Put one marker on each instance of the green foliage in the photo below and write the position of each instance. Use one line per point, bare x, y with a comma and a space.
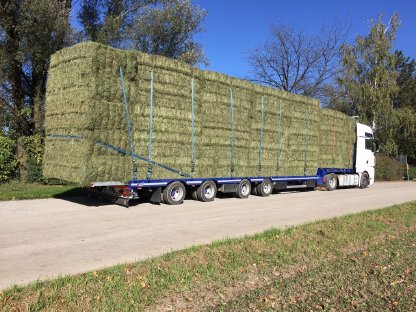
405, 105
34, 147
406, 80
7, 158
368, 80
162, 27
389, 169
30, 31
168, 29
412, 173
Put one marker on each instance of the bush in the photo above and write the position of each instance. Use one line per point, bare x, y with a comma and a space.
412, 173
389, 169
34, 153
8, 159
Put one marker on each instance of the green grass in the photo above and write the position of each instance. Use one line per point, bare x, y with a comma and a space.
365, 261
18, 191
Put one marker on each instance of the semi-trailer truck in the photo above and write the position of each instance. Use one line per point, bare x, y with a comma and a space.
139, 125
174, 191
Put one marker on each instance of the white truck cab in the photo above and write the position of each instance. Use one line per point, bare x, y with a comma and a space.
362, 174
365, 159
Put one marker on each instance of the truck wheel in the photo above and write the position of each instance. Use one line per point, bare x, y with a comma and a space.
264, 188
365, 180
330, 182
174, 193
207, 191
243, 189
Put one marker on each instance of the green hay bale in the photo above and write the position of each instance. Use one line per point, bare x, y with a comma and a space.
84, 97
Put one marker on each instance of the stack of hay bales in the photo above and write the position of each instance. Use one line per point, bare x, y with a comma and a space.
337, 139
85, 114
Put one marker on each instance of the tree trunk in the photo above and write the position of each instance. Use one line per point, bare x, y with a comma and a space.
39, 90
15, 77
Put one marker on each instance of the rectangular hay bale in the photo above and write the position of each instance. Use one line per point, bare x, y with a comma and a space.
85, 121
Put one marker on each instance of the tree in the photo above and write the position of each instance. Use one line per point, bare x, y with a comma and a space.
368, 81
405, 105
162, 27
406, 81
30, 31
168, 29
292, 61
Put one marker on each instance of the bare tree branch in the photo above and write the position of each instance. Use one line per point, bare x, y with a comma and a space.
297, 63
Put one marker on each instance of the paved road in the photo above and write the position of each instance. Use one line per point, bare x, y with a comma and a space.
46, 238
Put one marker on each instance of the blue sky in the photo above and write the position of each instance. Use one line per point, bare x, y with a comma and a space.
234, 28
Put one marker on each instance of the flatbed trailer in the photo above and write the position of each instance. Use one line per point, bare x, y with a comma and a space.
174, 191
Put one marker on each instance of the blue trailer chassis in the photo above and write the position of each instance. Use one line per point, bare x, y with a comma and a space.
321, 172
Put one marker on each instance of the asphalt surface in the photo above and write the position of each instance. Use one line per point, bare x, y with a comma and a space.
42, 239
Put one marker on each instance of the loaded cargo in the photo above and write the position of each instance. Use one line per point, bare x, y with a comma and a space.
124, 116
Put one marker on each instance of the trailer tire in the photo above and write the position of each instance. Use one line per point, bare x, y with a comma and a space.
174, 193
243, 189
207, 191
365, 180
254, 189
331, 182
264, 188
194, 194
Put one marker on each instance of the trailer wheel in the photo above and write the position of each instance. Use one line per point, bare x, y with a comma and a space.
254, 189
174, 193
264, 188
365, 180
194, 194
243, 189
330, 182
207, 191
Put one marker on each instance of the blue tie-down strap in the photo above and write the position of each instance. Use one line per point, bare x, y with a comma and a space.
124, 152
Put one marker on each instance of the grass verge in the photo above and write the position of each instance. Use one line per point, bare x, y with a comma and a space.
18, 191
365, 261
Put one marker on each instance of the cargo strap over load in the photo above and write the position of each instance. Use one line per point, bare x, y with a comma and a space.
279, 137
149, 145
131, 142
261, 132
232, 166
123, 152
193, 128
306, 141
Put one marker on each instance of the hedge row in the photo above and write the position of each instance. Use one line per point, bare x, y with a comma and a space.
9, 163
389, 169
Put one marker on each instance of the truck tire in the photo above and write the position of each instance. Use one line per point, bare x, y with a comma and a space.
264, 188
174, 193
331, 182
207, 191
365, 180
243, 189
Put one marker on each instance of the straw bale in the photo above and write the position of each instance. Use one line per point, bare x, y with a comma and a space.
84, 98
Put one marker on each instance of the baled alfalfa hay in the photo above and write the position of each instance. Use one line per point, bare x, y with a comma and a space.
85, 114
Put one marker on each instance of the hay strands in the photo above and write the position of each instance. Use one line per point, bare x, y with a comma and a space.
124, 152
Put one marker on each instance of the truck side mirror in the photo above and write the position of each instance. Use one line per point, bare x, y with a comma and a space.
376, 146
